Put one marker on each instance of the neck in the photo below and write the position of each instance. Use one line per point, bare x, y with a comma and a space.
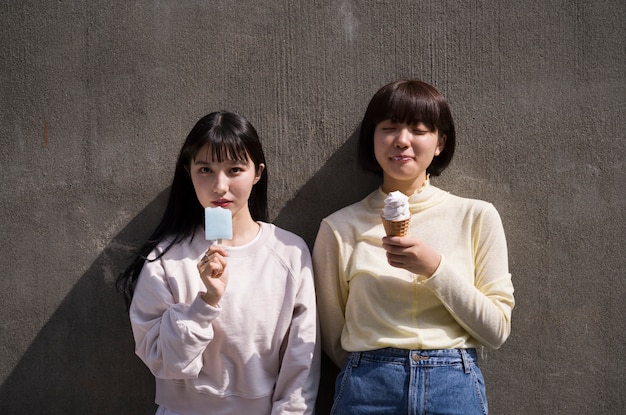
244, 229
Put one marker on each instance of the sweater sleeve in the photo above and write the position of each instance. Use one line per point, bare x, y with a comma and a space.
298, 379
332, 292
169, 337
482, 303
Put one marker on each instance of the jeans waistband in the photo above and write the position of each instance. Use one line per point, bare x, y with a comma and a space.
418, 357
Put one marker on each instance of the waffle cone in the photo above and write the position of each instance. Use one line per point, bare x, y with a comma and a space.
396, 227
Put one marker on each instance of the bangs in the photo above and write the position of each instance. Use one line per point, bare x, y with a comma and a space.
409, 104
222, 146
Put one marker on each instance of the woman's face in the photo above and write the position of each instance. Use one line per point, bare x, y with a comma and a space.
404, 152
226, 184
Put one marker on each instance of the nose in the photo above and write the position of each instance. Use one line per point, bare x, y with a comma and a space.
220, 186
403, 139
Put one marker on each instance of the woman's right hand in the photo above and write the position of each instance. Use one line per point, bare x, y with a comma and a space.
411, 254
214, 274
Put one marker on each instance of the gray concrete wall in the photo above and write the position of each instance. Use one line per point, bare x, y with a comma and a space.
97, 97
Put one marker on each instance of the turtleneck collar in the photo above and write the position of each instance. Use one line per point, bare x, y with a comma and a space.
423, 198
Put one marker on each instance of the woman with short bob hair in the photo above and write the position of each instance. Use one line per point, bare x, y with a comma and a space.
410, 102
402, 313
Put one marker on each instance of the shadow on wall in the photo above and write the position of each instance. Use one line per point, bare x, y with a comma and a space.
338, 183
83, 362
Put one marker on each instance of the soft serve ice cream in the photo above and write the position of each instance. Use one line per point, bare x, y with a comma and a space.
396, 206
396, 214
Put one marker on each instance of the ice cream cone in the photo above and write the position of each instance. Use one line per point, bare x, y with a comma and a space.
396, 227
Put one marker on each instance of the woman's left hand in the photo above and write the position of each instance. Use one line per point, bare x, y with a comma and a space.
411, 254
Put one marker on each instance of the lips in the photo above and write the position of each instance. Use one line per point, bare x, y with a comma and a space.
402, 157
223, 203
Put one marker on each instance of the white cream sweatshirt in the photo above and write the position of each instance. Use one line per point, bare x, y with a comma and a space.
365, 304
255, 353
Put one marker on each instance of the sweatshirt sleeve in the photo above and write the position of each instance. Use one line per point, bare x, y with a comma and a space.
298, 379
169, 337
482, 303
332, 292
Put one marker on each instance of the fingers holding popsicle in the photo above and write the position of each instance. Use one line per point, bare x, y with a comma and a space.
212, 267
214, 274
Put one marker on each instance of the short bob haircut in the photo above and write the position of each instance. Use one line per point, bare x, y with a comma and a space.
410, 102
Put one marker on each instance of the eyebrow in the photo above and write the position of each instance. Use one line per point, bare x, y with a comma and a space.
206, 163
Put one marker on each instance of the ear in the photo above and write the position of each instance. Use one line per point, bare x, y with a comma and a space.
440, 145
259, 172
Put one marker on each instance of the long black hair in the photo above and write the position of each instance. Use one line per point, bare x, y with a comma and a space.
228, 136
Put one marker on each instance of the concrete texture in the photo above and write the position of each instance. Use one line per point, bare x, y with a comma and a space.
97, 97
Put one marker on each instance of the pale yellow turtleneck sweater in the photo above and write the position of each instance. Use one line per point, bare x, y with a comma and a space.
365, 304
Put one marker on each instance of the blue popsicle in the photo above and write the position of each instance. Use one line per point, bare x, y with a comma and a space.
218, 224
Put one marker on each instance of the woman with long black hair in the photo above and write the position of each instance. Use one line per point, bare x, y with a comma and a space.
226, 328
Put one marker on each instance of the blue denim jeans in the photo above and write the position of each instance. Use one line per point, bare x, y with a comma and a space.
413, 382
